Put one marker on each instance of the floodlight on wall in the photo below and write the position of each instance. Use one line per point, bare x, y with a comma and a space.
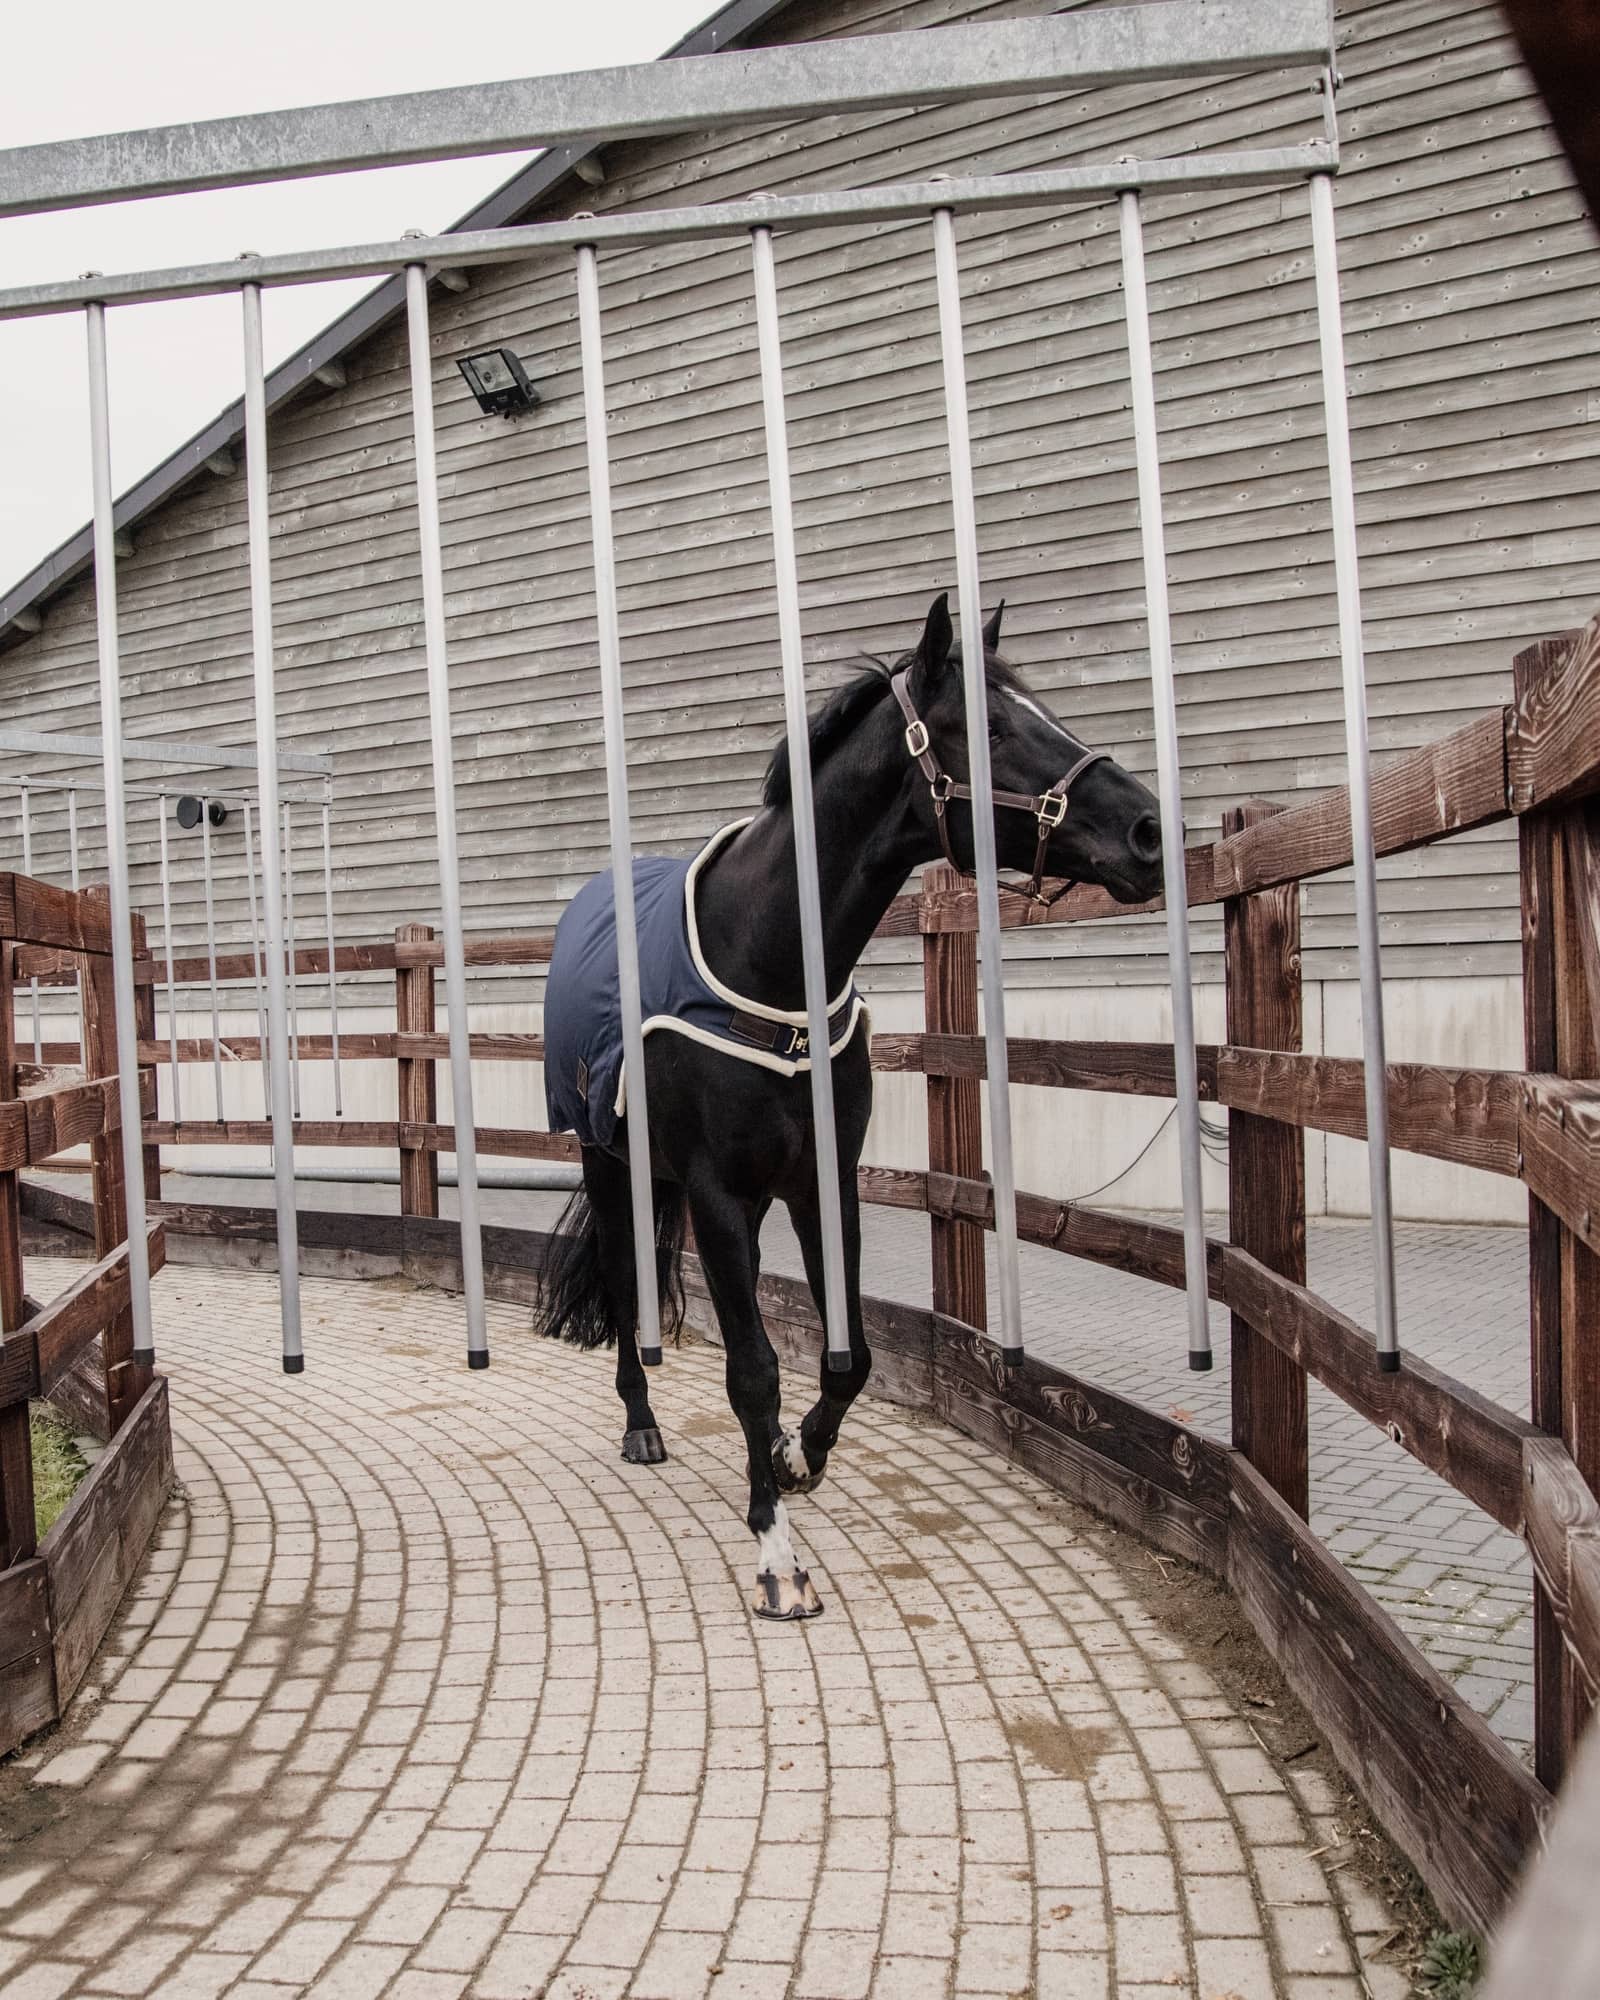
189, 810
500, 382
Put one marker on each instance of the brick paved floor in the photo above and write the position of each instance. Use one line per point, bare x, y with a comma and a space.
423, 1693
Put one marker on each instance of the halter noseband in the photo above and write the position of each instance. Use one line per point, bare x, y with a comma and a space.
1048, 808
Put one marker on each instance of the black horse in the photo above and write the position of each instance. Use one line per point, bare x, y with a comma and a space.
889, 764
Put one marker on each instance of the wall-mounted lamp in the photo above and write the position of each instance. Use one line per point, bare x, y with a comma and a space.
500, 382
189, 810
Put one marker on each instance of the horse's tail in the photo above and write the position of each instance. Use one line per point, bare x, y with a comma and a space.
574, 1301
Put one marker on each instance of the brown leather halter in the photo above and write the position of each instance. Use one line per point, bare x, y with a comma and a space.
1048, 808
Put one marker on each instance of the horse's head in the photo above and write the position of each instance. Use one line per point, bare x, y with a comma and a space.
1109, 832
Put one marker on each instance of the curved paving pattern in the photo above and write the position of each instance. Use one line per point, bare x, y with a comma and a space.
423, 1693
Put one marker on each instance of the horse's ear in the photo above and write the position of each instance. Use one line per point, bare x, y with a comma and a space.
933, 648
991, 631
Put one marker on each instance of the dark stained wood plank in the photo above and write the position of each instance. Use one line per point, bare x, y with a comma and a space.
954, 1110
17, 1360
39, 913
1563, 1536
242, 965
1456, 1800
1417, 798
1135, 1069
519, 948
1559, 1134
1553, 733
893, 1187
247, 1049
69, 1114
956, 908
258, 1132
1469, 1116
27, 1666
94, 1548
1266, 1174
61, 1329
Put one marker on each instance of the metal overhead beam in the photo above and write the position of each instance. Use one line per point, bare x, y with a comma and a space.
1197, 173
160, 750
1180, 38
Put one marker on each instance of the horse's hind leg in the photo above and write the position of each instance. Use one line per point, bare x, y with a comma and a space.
725, 1235
606, 1180
799, 1462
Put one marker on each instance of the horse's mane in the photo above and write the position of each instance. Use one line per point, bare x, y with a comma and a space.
848, 706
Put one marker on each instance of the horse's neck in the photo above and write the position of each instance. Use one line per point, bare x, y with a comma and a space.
748, 909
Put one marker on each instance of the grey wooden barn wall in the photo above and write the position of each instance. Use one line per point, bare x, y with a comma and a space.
1470, 287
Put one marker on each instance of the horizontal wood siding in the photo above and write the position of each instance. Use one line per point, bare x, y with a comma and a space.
1470, 274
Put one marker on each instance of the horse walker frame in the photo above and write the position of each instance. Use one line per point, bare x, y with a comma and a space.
1459, 1803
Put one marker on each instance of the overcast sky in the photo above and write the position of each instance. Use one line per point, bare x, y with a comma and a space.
108, 66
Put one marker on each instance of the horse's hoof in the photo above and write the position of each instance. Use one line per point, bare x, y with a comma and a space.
785, 1597
791, 1468
644, 1447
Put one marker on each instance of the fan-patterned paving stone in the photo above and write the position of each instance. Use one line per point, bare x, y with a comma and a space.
423, 1693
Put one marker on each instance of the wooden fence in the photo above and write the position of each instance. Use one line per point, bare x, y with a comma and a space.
1460, 1804
58, 1595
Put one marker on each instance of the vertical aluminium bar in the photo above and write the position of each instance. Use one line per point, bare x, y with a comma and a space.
333, 975
605, 592
72, 835
991, 963
291, 948
255, 955
211, 954
105, 594
444, 804
1147, 451
266, 716
1341, 482
27, 869
166, 940
835, 1295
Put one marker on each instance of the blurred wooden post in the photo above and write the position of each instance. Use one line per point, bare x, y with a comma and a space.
17, 1538
1560, 868
126, 1381
1267, 1172
144, 1011
418, 1078
955, 1108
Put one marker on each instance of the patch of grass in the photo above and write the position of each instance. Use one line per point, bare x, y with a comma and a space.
1450, 1966
58, 1465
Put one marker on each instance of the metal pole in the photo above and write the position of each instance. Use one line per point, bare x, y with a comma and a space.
444, 803
1147, 450
255, 954
333, 976
105, 593
605, 593
72, 868
1341, 482
172, 984
990, 957
836, 1311
27, 869
291, 947
266, 716
211, 953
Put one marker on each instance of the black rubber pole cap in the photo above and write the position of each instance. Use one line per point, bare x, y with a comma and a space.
649, 1357
1014, 1356
477, 1357
839, 1364
1389, 1364
294, 1364
1198, 1362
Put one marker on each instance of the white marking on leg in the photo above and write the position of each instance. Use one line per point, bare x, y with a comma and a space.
794, 1456
775, 1554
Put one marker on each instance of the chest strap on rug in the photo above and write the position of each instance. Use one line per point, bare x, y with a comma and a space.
784, 1038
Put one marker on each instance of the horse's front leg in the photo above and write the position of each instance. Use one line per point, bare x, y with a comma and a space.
800, 1461
725, 1235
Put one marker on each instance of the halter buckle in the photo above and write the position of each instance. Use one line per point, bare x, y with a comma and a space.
917, 738
943, 789
1052, 809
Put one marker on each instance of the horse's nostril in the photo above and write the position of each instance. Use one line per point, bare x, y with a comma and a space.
1144, 837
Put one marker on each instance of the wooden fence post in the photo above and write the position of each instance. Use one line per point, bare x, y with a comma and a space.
126, 1381
955, 1108
1560, 872
418, 1083
17, 1539
1267, 1172
144, 1010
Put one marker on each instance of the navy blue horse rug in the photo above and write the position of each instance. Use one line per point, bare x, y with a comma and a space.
584, 1082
